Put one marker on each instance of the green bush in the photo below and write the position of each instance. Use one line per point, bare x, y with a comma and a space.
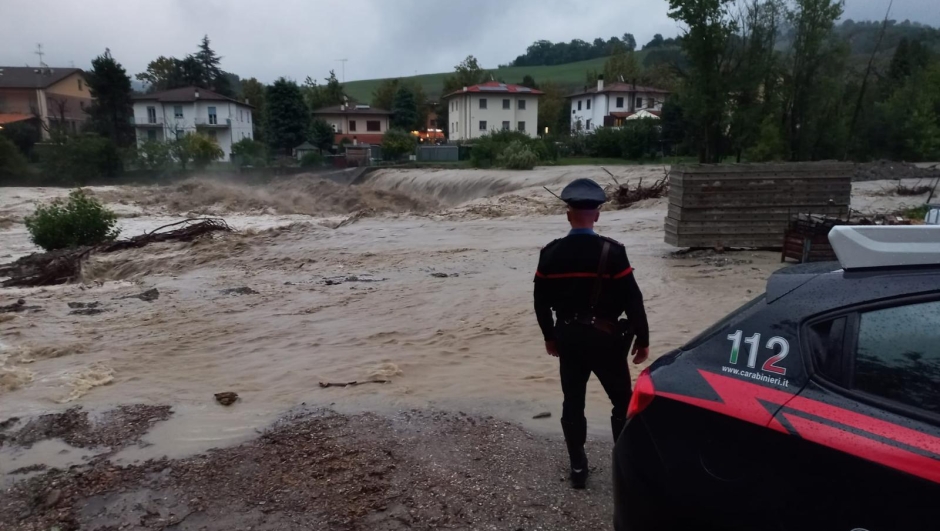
396, 143
79, 159
248, 152
634, 140
78, 222
311, 159
517, 156
487, 149
154, 155
12, 162
198, 149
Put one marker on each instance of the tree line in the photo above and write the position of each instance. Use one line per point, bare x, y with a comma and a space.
545, 53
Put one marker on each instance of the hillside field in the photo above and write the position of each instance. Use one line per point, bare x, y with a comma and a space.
570, 74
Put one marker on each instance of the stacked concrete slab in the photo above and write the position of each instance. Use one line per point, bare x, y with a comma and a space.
749, 205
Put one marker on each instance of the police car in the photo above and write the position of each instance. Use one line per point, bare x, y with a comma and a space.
814, 406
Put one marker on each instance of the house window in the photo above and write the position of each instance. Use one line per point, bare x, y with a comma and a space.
212, 134
151, 115
522, 127
506, 126
620, 102
482, 125
579, 105
432, 124
639, 103
352, 125
178, 112
587, 124
80, 85
589, 104
373, 125
248, 114
152, 135
482, 103
213, 118
521, 105
507, 104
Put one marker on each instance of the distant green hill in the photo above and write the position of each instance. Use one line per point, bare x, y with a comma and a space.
571, 74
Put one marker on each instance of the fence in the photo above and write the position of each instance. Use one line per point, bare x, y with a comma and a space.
437, 153
750, 205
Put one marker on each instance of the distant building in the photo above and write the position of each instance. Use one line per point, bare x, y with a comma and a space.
359, 124
492, 106
610, 105
54, 97
168, 115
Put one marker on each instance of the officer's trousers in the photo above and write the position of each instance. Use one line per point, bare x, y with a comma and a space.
582, 350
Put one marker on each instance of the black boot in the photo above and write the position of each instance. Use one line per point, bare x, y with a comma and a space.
575, 435
616, 425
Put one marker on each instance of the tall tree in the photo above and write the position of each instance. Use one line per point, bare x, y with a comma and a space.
468, 73
554, 110
404, 110
333, 91
812, 22
111, 109
321, 134
629, 42
254, 92
288, 120
709, 26
384, 94
160, 74
213, 77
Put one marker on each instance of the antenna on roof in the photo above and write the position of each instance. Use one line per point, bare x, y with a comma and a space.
40, 53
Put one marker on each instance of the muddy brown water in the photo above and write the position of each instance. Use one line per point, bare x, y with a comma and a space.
335, 305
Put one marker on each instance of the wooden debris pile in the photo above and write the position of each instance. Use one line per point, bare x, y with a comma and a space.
64, 265
622, 195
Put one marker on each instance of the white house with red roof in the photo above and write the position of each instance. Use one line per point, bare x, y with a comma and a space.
492, 106
611, 105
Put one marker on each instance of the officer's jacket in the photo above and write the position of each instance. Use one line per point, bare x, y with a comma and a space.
565, 282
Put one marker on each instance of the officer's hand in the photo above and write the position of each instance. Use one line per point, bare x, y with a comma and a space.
640, 354
551, 348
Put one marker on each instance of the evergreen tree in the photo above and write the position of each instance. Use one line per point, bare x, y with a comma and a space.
384, 94
529, 81
288, 119
111, 109
213, 77
404, 110
321, 134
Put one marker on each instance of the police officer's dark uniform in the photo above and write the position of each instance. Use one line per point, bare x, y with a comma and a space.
585, 330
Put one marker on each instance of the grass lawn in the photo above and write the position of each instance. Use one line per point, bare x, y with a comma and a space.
571, 75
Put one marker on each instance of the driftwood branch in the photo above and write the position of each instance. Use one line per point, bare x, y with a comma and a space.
352, 383
62, 266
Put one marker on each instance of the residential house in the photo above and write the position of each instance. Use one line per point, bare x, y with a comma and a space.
492, 106
53, 97
610, 105
168, 115
359, 124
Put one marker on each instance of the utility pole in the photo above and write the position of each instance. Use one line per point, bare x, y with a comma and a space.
344, 68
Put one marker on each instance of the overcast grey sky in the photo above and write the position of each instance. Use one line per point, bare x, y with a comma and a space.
297, 38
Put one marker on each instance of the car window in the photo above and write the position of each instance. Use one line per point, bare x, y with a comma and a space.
898, 355
826, 341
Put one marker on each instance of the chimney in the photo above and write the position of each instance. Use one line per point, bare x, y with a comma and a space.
600, 83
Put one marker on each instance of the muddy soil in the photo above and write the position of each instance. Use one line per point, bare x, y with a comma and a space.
323, 470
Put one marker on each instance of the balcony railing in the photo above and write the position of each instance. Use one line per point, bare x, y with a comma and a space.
147, 121
218, 122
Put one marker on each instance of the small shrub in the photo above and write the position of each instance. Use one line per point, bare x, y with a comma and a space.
311, 159
396, 143
77, 222
154, 155
487, 149
517, 156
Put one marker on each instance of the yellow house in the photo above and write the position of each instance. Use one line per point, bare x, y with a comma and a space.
56, 97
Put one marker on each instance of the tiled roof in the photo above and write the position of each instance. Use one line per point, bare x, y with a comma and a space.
33, 77
186, 95
10, 118
621, 87
495, 87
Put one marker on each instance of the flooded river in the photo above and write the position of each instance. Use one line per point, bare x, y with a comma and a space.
429, 286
